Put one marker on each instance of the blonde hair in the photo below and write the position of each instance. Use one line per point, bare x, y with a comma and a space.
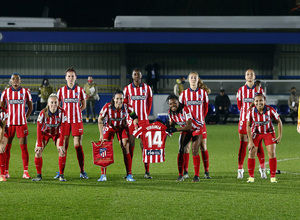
201, 85
46, 109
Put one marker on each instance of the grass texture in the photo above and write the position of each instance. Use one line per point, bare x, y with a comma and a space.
222, 197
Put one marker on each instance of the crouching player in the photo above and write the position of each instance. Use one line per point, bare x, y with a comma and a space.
115, 114
153, 137
260, 128
3, 142
50, 125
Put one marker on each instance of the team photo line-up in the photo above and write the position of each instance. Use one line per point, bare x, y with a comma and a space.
127, 116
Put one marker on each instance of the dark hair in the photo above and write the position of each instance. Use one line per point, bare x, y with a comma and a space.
173, 96
137, 69
293, 88
255, 95
70, 69
257, 82
118, 91
43, 82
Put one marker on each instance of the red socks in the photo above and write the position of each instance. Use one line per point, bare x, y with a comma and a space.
186, 162
7, 153
2, 163
242, 154
273, 166
196, 161
80, 157
205, 159
61, 164
251, 167
180, 162
128, 164
38, 164
25, 156
103, 170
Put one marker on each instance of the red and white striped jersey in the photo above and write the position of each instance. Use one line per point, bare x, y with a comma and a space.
182, 116
154, 138
16, 101
262, 123
3, 114
116, 118
245, 97
140, 98
197, 102
71, 100
52, 125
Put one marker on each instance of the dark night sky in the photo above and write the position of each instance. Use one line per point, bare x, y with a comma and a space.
87, 13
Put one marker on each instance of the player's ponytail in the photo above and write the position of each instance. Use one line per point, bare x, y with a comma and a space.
201, 85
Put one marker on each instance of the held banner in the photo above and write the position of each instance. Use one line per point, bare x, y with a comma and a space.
103, 153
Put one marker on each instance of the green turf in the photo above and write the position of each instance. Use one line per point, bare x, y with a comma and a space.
222, 197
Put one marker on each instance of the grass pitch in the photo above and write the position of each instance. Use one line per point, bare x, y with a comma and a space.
222, 197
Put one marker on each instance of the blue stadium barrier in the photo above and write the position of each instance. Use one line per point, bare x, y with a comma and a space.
211, 109
284, 109
275, 107
233, 109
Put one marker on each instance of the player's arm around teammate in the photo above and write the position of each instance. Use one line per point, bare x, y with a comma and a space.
260, 128
50, 125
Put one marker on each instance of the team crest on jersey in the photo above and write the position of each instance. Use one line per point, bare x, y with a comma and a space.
267, 117
144, 91
183, 117
21, 95
76, 93
200, 96
102, 152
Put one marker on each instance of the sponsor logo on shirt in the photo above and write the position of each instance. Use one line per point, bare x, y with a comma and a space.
194, 102
52, 125
138, 97
247, 100
16, 102
262, 122
153, 152
117, 119
71, 100
181, 123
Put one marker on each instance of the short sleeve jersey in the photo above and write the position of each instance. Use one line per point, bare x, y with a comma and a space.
181, 117
245, 97
262, 123
116, 118
154, 137
195, 100
3, 114
16, 101
138, 98
71, 100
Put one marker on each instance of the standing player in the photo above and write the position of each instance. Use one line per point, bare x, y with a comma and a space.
203, 146
244, 98
15, 98
260, 128
73, 99
115, 113
50, 125
196, 99
3, 119
139, 96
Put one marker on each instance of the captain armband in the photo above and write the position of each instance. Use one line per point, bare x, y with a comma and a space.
133, 115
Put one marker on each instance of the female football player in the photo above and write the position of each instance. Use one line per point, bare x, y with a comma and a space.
203, 146
196, 99
115, 114
260, 128
50, 125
